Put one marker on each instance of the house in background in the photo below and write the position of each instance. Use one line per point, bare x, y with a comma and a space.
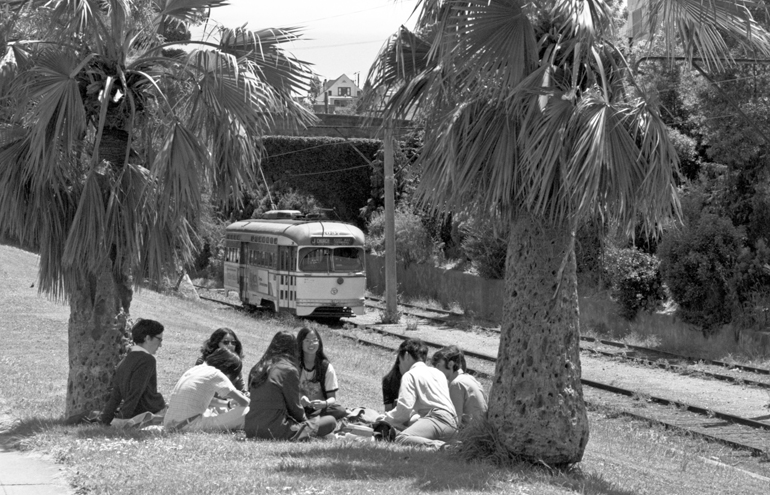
337, 95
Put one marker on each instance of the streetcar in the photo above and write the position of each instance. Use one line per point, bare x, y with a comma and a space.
303, 265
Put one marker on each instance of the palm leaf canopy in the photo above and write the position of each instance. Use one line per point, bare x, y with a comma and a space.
113, 121
526, 106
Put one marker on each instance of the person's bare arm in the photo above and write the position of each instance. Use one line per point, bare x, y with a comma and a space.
238, 397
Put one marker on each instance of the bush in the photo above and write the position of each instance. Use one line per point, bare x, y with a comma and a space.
635, 280
696, 263
413, 242
485, 243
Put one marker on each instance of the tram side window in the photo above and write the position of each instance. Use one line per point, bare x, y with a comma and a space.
348, 259
315, 260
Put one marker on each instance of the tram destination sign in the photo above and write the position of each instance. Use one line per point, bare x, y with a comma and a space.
331, 241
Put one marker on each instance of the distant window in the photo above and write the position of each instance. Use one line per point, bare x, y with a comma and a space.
329, 92
343, 91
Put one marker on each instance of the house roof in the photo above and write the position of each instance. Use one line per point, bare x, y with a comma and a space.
329, 84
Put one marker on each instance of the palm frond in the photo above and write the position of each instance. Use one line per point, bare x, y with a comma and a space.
128, 201
14, 188
78, 15
58, 118
188, 10
178, 168
235, 161
272, 64
703, 27
85, 246
487, 41
229, 90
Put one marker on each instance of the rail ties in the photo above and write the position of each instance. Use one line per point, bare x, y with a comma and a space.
642, 350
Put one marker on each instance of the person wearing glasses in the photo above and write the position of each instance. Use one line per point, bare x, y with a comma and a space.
134, 390
224, 338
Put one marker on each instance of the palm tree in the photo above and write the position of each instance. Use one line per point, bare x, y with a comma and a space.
114, 121
531, 118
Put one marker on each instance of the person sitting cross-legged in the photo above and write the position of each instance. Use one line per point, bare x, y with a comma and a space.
424, 391
134, 388
466, 392
190, 405
275, 411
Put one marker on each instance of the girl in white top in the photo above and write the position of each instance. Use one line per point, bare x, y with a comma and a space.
317, 379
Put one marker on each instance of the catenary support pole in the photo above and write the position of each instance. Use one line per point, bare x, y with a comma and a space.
391, 303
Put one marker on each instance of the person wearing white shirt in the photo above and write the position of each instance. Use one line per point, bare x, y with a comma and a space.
424, 392
192, 405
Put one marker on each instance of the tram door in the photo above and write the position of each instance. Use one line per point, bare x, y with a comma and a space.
287, 282
243, 262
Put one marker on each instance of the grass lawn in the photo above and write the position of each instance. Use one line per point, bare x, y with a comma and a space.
622, 457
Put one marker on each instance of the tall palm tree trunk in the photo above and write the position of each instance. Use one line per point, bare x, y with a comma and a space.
97, 339
99, 310
536, 402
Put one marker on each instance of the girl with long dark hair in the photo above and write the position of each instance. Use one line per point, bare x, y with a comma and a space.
318, 384
275, 411
224, 338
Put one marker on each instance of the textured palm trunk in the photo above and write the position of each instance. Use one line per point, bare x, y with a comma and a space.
536, 402
97, 338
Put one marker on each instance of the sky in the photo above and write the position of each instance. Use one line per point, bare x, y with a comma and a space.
339, 36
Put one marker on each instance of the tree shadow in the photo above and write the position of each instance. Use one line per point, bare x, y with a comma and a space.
13, 433
432, 471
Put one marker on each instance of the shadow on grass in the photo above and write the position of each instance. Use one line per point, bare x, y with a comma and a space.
432, 471
13, 433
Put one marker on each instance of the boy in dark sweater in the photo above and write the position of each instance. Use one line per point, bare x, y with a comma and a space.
135, 383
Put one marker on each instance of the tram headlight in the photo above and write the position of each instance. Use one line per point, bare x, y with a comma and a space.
340, 281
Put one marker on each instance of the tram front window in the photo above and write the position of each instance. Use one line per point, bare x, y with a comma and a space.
348, 259
315, 260
331, 260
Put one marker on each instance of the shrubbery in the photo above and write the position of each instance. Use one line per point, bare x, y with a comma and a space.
634, 279
486, 245
697, 262
718, 272
413, 242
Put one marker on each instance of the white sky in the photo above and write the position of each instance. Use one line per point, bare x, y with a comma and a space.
340, 36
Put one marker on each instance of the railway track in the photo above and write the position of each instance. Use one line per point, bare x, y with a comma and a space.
734, 431
739, 374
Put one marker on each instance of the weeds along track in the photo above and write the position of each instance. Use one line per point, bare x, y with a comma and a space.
717, 370
750, 435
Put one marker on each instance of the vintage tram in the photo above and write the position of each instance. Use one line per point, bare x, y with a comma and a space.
304, 265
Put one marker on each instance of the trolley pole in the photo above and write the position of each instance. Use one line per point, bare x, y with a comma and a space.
391, 304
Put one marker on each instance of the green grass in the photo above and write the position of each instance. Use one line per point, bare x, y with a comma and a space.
622, 457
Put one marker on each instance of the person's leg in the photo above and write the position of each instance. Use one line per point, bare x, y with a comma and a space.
323, 425
231, 420
432, 431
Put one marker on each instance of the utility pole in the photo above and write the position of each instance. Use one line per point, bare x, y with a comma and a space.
391, 304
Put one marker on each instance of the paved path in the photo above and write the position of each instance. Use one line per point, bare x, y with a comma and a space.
23, 474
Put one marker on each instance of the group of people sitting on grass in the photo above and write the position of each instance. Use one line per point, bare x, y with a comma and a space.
291, 393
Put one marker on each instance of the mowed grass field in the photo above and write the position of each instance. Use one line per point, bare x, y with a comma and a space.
622, 457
